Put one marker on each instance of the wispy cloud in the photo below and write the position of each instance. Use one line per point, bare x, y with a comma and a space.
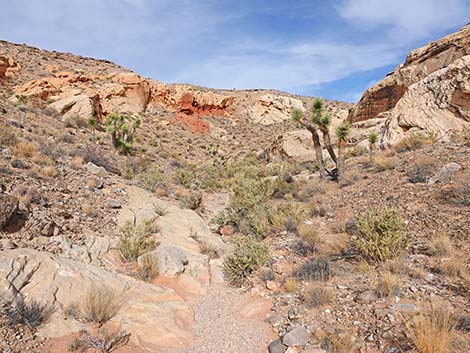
236, 44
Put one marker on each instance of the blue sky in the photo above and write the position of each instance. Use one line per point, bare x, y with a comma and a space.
335, 48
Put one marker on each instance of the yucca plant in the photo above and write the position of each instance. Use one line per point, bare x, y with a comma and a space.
122, 128
342, 134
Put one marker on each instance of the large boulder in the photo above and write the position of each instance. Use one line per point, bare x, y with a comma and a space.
9, 68
156, 317
271, 109
429, 92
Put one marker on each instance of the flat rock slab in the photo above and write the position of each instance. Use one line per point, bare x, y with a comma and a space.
156, 317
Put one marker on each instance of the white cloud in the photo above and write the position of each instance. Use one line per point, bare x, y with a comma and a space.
406, 20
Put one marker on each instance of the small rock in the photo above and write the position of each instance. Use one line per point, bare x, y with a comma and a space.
7, 153
405, 308
277, 347
7, 244
272, 285
171, 260
113, 203
413, 289
292, 350
226, 230
296, 337
16, 163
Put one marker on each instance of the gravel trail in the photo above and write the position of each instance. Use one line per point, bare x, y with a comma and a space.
219, 327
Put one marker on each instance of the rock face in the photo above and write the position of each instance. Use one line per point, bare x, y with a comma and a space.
272, 109
157, 317
429, 92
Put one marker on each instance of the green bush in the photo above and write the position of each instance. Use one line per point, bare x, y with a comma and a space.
121, 128
382, 234
248, 256
135, 241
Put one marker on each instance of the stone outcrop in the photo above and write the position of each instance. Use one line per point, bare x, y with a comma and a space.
157, 317
9, 68
271, 109
429, 92
9, 207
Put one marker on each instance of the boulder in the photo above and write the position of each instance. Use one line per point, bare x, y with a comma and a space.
298, 336
171, 260
155, 316
277, 347
9, 68
8, 209
446, 173
73, 107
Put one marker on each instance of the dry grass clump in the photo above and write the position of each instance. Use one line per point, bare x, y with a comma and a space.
26, 149
148, 267
388, 285
7, 137
381, 161
291, 285
309, 239
209, 248
453, 267
191, 200
440, 245
431, 331
104, 341
135, 241
50, 171
101, 304
318, 295
382, 234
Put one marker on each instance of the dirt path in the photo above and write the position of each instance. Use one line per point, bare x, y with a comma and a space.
227, 321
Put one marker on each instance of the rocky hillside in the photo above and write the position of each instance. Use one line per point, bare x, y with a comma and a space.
213, 233
428, 93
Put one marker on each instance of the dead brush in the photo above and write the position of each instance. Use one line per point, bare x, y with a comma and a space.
309, 239
431, 331
101, 304
104, 341
439, 245
148, 267
336, 340
26, 149
30, 313
317, 295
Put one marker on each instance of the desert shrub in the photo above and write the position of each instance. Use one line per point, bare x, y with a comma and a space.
191, 200
309, 239
413, 142
122, 128
26, 149
316, 269
381, 161
318, 295
388, 285
453, 267
268, 275
101, 304
50, 171
103, 342
148, 267
422, 170
431, 331
135, 241
186, 176
336, 340
382, 234
91, 154
291, 285
356, 151
22, 98
305, 191
248, 256
30, 313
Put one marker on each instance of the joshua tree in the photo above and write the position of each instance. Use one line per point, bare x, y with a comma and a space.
122, 128
342, 134
298, 116
373, 137
323, 121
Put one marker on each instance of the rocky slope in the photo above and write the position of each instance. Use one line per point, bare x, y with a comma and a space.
67, 197
428, 93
